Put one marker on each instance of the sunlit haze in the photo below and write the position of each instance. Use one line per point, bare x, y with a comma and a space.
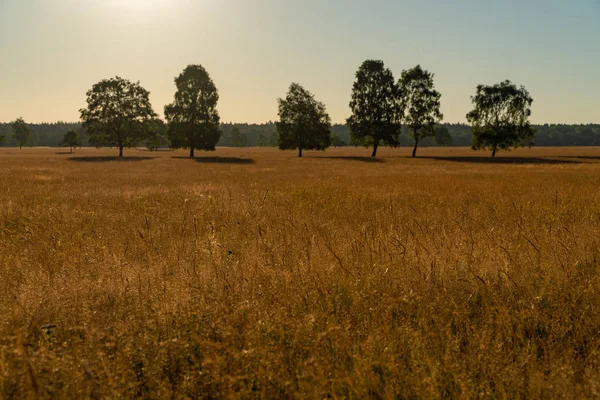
53, 51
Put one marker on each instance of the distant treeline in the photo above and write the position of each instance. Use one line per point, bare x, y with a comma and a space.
265, 135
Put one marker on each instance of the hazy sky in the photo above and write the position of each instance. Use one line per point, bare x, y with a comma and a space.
53, 51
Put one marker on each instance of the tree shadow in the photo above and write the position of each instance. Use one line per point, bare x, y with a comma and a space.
63, 152
356, 158
501, 160
218, 160
597, 158
159, 150
108, 159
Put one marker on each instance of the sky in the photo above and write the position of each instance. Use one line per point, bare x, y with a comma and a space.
53, 51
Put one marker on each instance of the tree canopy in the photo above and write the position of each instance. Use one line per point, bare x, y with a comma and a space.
157, 134
420, 102
303, 122
500, 118
117, 113
70, 140
376, 113
21, 132
193, 118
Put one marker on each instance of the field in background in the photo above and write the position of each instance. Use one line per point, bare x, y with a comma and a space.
251, 272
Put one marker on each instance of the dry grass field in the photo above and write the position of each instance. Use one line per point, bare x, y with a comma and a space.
251, 273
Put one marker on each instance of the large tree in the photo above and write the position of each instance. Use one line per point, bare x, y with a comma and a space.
21, 132
303, 122
70, 140
500, 118
420, 102
193, 117
376, 112
117, 114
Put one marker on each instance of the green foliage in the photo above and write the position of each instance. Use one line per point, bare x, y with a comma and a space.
273, 139
238, 139
193, 117
303, 121
157, 134
44, 134
442, 136
500, 119
420, 102
251, 131
50, 134
70, 140
376, 113
21, 132
262, 141
337, 141
117, 113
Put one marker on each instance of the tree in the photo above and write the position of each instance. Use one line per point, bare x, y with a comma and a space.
262, 141
157, 134
238, 139
117, 113
337, 141
80, 135
273, 139
21, 133
500, 119
303, 122
193, 117
421, 103
376, 113
70, 140
442, 136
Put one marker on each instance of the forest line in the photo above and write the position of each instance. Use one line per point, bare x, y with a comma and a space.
50, 134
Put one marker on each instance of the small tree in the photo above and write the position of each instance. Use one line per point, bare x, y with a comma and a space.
500, 119
117, 113
303, 122
70, 140
193, 117
420, 102
376, 113
21, 133
157, 134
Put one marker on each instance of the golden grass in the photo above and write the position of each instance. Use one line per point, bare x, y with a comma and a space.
257, 274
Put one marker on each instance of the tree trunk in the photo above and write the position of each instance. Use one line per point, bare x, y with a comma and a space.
414, 153
71, 150
300, 152
192, 152
494, 151
374, 154
120, 151
20, 146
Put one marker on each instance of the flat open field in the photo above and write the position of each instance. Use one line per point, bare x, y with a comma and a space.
252, 273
